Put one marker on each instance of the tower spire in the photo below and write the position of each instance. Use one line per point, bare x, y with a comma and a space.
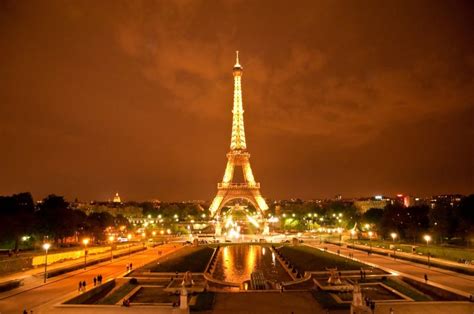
238, 131
237, 64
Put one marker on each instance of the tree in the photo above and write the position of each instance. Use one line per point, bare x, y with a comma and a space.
54, 218
395, 218
442, 221
17, 216
98, 222
374, 217
464, 213
418, 221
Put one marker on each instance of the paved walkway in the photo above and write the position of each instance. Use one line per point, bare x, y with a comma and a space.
455, 282
422, 258
42, 298
35, 273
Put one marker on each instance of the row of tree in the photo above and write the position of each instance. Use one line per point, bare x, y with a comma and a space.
443, 221
52, 218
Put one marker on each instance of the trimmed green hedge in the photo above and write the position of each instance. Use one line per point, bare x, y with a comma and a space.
9, 285
93, 295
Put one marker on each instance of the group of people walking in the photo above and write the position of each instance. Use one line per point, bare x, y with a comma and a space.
83, 285
97, 280
370, 304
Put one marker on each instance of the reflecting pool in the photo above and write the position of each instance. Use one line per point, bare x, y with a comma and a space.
235, 263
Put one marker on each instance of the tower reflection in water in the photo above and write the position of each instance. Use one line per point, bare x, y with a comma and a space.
236, 262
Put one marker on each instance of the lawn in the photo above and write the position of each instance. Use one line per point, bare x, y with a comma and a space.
444, 252
310, 259
193, 259
153, 295
118, 294
406, 289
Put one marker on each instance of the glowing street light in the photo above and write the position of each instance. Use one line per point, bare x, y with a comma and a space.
46, 247
85, 242
394, 236
427, 238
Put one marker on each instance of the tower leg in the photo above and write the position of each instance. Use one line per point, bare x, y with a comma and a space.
218, 231
266, 229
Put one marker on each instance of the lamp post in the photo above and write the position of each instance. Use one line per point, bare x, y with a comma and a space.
352, 239
393, 235
427, 238
340, 236
85, 242
370, 240
111, 240
129, 237
46, 247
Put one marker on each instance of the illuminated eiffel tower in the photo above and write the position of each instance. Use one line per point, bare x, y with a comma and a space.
238, 157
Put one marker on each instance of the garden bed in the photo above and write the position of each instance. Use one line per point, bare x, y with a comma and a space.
193, 259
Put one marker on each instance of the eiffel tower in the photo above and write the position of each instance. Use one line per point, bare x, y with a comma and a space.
238, 157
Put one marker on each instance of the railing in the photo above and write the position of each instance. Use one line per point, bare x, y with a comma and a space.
238, 186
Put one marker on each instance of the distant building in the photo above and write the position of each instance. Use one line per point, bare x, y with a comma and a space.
451, 200
364, 205
405, 200
117, 199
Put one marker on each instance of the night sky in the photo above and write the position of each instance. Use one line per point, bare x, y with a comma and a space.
341, 97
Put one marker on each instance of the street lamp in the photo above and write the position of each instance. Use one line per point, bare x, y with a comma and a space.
144, 239
393, 235
427, 238
46, 247
370, 240
111, 240
85, 242
129, 237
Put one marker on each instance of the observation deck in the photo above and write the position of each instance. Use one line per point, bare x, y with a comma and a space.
238, 186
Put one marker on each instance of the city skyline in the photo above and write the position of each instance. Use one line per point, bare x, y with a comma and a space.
138, 101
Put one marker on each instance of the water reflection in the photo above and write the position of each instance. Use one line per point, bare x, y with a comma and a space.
235, 263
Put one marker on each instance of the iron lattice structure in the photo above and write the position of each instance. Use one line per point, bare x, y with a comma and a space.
238, 156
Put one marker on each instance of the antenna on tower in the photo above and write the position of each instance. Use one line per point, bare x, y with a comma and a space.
237, 64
